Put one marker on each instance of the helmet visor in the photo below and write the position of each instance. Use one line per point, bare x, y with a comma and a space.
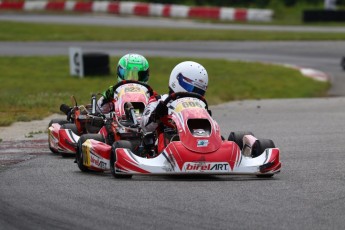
190, 85
141, 76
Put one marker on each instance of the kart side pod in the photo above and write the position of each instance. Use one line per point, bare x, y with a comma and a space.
96, 160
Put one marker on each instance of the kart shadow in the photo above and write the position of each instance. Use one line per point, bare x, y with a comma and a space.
181, 178
190, 178
184, 178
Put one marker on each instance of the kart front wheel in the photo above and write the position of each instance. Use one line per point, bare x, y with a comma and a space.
79, 152
237, 137
118, 144
260, 146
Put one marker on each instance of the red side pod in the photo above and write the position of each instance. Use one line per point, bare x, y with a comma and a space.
127, 164
103, 150
55, 132
66, 142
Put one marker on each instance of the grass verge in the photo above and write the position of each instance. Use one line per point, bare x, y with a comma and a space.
34, 87
21, 31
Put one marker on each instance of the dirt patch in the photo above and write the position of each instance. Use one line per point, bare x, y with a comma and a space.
13, 152
24, 140
27, 130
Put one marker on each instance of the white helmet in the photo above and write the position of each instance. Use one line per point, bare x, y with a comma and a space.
188, 76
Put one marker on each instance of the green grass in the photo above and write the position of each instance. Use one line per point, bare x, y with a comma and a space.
20, 31
34, 87
293, 15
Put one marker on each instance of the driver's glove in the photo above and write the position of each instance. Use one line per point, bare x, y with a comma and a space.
160, 111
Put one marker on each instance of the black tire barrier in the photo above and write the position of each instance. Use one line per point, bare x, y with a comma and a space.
323, 16
342, 63
96, 64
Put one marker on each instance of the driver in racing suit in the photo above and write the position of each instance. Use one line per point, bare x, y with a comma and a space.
129, 67
187, 76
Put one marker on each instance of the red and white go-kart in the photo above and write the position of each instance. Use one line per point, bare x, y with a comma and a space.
130, 100
192, 145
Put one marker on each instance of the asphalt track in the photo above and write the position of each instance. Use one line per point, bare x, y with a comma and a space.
49, 192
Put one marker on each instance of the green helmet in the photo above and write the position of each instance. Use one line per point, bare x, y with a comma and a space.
133, 67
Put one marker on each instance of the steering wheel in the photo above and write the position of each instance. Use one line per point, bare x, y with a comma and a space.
178, 95
150, 90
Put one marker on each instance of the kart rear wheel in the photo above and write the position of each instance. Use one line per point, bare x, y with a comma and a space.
118, 144
237, 137
260, 145
72, 127
79, 152
60, 122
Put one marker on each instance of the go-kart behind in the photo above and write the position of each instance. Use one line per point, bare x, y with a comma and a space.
91, 119
132, 96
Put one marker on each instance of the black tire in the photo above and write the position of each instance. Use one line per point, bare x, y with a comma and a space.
67, 155
79, 153
60, 122
237, 137
119, 144
260, 145
72, 127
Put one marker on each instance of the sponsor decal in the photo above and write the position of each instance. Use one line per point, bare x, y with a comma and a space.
202, 143
187, 104
206, 167
97, 162
132, 89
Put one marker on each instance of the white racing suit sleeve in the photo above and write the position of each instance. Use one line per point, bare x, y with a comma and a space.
100, 102
146, 123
